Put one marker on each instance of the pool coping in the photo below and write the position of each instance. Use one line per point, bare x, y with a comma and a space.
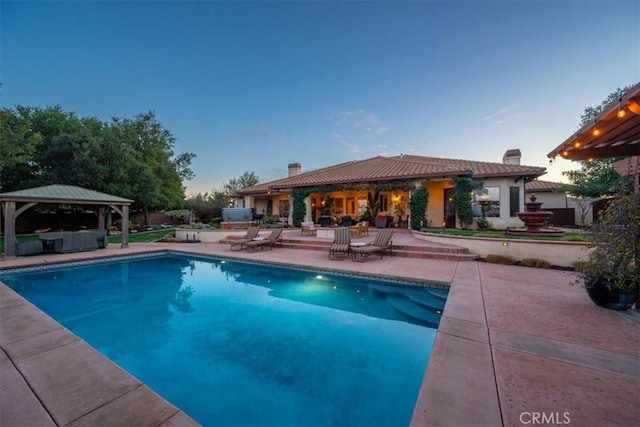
483, 367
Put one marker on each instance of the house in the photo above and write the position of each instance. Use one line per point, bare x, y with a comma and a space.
350, 186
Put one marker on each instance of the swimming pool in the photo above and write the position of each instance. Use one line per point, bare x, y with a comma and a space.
235, 343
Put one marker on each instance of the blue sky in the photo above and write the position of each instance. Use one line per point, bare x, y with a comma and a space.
253, 86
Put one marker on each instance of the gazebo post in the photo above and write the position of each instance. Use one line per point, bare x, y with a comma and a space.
9, 210
125, 226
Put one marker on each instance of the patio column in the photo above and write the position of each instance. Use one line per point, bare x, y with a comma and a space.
308, 209
9, 211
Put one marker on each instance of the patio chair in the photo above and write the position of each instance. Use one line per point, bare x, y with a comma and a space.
365, 228
356, 230
252, 233
308, 228
270, 241
381, 244
341, 240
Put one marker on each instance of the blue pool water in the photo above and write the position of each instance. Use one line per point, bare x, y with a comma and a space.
234, 343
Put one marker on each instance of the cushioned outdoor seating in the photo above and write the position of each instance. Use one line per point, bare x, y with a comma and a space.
101, 237
380, 245
252, 232
346, 221
271, 241
32, 247
340, 247
308, 228
76, 242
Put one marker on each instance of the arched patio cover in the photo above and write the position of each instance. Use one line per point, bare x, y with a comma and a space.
67, 194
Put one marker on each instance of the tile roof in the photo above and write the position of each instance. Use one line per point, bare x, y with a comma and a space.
404, 167
63, 193
543, 186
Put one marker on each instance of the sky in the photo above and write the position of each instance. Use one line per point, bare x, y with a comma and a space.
256, 85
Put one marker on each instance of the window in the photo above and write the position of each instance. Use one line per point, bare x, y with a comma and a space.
486, 202
514, 201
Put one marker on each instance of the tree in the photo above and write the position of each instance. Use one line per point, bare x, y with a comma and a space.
596, 179
247, 179
132, 158
229, 189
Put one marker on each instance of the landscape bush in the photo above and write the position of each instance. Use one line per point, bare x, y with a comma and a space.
500, 259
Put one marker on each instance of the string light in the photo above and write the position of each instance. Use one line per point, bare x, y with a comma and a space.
621, 112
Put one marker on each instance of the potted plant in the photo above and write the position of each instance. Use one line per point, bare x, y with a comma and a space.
611, 275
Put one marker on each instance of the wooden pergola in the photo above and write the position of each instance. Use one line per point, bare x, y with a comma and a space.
16, 202
614, 133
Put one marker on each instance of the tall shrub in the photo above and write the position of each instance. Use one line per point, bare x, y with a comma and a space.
464, 186
299, 207
418, 203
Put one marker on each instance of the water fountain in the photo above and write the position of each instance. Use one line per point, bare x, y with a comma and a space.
533, 219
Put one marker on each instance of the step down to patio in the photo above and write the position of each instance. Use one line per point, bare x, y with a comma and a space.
418, 314
424, 251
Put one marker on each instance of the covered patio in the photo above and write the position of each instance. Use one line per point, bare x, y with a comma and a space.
15, 203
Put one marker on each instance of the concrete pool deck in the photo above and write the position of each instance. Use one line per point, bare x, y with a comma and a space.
515, 345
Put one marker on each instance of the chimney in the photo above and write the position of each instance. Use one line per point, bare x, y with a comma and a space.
512, 157
294, 169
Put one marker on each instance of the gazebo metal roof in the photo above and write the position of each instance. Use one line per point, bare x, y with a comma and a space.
63, 194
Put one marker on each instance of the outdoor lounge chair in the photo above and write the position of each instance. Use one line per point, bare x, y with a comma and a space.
271, 241
252, 233
340, 247
381, 244
308, 228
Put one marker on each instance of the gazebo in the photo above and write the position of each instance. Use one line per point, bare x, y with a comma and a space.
16, 202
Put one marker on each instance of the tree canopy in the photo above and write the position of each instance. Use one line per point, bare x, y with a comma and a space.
209, 206
128, 157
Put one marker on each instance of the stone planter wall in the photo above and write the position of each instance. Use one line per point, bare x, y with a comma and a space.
562, 254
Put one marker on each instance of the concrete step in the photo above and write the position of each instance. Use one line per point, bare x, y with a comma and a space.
449, 253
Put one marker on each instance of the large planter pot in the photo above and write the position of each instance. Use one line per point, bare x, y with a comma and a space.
604, 294
325, 221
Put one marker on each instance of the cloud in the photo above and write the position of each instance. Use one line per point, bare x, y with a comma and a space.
353, 148
360, 122
498, 115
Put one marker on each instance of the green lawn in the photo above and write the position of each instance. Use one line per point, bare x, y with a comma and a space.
145, 236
